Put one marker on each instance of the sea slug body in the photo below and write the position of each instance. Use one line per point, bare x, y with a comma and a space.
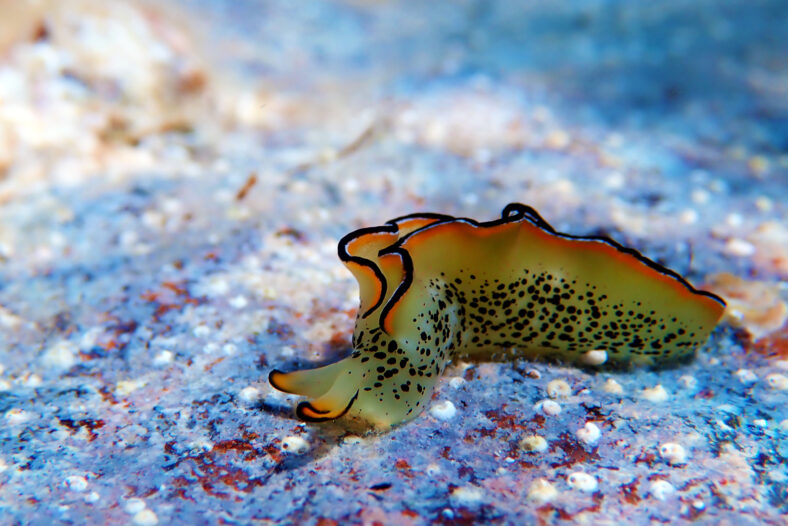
435, 287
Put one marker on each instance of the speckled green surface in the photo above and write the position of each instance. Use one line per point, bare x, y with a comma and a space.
168, 234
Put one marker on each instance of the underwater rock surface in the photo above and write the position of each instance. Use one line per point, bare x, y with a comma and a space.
175, 179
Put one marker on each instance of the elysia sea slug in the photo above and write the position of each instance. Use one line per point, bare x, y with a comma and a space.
435, 287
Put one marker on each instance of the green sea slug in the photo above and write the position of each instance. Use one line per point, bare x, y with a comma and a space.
434, 288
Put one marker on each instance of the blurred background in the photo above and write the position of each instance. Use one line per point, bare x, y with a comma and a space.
639, 101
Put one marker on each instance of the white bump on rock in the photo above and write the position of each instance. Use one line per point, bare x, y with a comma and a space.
205, 445
295, 444
270, 293
777, 381
90, 337
218, 286
239, 302
125, 387
688, 381
457, 381
777, 475
595, 357
134, 505
673, 453
614, 181
612, 387
739, 247
444, 410
661, 489
31, 380
548, 407
558, 389
16, 416
3, 465
700, 196
250, 394
582, 481
92, 497
688, 216
145, 517
655, 394
201, 331
541, 490
746, 376
76, 483
467, 495
589, 434
163, 358
533, 444
62, 355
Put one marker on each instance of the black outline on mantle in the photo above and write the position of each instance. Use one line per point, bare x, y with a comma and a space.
300, 411
390, 227
513, 212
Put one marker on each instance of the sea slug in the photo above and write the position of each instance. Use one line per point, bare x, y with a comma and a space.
435, 287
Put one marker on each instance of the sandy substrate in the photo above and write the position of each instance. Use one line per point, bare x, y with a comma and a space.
173, 182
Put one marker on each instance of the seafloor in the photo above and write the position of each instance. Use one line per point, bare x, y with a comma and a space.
173, 182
